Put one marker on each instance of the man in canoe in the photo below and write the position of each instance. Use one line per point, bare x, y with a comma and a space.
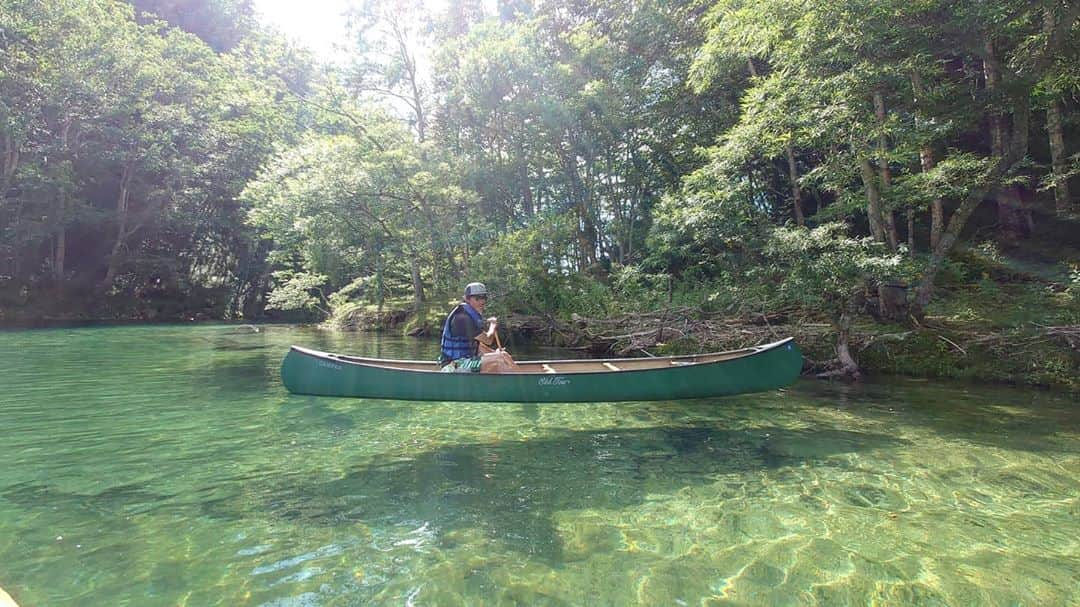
464, 331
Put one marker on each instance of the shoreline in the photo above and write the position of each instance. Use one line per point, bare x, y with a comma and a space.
1035, 356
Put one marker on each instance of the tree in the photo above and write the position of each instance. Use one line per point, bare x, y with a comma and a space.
577, 109
124, 147
859, 74
222, 24
346, 205
388, 42
826, 270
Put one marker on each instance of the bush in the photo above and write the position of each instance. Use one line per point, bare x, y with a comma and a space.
529, 271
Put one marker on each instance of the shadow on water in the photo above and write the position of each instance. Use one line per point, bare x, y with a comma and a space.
508, 490
316, 416
124, 499
241, 371
996, 416
511, 489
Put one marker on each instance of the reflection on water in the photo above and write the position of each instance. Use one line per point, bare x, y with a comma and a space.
167, 466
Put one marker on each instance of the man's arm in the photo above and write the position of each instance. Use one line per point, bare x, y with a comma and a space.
488, 337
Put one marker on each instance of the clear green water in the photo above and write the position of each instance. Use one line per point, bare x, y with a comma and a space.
167, 466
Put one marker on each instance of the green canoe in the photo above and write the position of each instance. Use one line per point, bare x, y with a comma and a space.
756, 369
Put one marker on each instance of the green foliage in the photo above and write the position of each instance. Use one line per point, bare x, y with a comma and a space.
366, 206
636, 289
951, 179
528, 271
297, 291
824, 269
1072, 170
222, 24
124, 148
1074, 282
708, 229
577, 110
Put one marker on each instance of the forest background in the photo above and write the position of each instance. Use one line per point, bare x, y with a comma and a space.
890, 181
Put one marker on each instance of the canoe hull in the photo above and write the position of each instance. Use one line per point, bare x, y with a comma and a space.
764, 368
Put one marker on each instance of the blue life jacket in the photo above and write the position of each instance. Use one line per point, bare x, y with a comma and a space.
454, 347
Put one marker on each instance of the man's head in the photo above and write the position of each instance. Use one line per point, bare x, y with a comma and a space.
476, 295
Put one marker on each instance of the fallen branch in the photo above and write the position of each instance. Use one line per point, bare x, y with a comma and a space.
885, 337
953, 344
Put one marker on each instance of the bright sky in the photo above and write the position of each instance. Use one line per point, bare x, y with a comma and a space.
317, 24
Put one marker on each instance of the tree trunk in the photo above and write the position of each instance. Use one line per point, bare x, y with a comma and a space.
586, 237
526, 191
992, 71
380, 293
937, 207
586, 229
1010, 219
1012, 224
121, 229
635, 201
925, 290
61, 243
927, 162
793, 171
1058, 157
873, 200
439, 249
9, 164
417, 283
1058, 152
883, 164
1021, 132
60, 254
848, 366
408, 63
910, 231
796, 194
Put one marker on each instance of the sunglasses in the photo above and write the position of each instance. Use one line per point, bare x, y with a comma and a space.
482, 297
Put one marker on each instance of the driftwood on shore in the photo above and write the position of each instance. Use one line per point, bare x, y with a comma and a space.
1066, 335
827, 351
636, 334
685, 330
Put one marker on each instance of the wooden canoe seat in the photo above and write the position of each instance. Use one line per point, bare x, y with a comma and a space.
547, 368
612, 367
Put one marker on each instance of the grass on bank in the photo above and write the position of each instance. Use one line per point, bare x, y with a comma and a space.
1000, 315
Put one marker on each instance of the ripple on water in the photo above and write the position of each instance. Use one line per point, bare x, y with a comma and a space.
178, 471
871, 496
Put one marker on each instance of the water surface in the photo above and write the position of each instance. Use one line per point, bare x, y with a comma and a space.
167, 466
